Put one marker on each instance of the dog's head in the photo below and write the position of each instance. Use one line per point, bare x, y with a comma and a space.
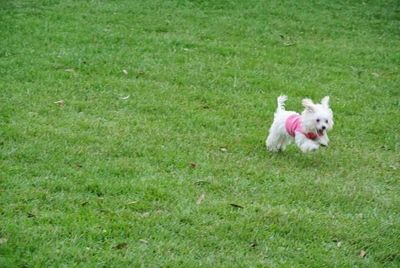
317, 117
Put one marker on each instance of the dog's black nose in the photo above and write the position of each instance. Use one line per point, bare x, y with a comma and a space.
323, 127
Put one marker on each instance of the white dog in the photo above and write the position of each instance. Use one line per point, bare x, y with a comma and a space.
308, 130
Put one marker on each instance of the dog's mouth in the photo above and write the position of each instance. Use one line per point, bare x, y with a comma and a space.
320, 132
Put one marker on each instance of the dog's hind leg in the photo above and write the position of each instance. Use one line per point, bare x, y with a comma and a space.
272, 142
283, 142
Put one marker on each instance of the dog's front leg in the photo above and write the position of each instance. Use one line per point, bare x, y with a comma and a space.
305, 144
324, 140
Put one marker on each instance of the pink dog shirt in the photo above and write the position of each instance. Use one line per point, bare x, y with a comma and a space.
293, 125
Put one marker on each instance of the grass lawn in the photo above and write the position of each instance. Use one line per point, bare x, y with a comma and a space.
132, 133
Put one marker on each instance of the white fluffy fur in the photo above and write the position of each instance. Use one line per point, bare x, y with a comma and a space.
316, 118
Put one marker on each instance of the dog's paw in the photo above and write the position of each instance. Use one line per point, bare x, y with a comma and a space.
325, 144
309, 148
323, 141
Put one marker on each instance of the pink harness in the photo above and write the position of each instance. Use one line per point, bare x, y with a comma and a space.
293, 125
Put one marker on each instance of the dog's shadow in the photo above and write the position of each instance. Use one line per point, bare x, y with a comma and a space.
305, 161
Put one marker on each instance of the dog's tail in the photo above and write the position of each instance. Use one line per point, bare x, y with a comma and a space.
281, 103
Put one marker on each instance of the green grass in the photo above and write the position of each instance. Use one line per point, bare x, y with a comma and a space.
108, 181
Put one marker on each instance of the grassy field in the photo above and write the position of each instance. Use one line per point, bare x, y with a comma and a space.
132, 134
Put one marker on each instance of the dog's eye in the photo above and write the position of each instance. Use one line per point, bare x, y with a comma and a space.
317, 120
326, 121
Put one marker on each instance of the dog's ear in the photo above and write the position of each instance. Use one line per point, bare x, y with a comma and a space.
309, 105
325, 101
